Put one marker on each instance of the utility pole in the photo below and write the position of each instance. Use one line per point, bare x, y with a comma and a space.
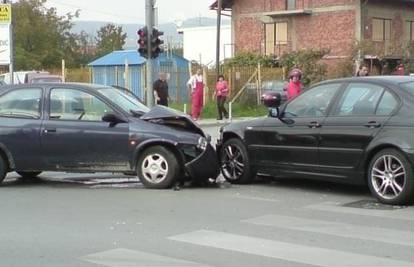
219, 8
149, 18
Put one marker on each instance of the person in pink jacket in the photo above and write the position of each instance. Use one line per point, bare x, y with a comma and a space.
295, 86
221, 93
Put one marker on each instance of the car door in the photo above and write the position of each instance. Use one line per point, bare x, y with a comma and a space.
352, 124
75, 137
20, 121
292, 139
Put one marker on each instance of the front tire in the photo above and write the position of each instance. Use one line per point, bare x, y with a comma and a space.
28, 175
390, 177
234, 162
158, 168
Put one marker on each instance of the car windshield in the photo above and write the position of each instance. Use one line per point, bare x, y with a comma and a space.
125, 101
408, 87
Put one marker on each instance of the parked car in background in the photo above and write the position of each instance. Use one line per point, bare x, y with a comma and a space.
43, 78
19, 77
92, 128
267, 86
356, 130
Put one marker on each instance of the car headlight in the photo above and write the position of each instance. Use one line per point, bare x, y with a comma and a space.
202, 143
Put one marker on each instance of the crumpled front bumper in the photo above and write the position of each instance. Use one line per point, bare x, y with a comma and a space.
205, 166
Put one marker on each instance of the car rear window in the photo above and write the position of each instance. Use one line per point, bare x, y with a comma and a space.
408, 87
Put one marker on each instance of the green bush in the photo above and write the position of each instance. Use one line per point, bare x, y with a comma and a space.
309, 61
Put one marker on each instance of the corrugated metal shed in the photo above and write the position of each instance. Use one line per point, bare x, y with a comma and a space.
110, 70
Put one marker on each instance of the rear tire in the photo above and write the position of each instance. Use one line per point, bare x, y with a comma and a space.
158, 168
28, 175
234, 162
3, 169
391, 178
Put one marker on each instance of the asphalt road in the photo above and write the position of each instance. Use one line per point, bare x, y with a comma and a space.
109, 220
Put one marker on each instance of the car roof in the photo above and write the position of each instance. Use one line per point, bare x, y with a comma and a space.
389, 80
56, 85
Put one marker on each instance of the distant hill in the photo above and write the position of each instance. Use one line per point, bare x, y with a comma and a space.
169, 29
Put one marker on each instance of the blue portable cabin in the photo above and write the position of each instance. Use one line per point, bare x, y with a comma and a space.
110, 70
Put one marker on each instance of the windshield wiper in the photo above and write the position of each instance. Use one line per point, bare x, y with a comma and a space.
137, 113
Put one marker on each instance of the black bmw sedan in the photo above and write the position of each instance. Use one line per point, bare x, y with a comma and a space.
92, 128
356, 130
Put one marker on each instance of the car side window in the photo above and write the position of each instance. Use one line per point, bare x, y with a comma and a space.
312, 103
72, 104
22, 103
387, 104
359, 99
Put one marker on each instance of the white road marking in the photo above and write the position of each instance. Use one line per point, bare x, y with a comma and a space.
286, 251
400, 214
405, 238
131, 258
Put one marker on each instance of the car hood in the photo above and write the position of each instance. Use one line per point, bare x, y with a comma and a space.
170, 117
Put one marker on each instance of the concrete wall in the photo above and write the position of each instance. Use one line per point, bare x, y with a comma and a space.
200, 42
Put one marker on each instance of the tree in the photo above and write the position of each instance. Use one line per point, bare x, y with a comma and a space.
110, 38
41, 37
309, 61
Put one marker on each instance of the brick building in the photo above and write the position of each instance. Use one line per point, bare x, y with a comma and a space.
276, 26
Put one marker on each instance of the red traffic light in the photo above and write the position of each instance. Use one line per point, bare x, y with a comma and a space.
142, 32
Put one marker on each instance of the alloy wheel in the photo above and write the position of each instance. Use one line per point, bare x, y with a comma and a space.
388, 177
155, 168
232, 162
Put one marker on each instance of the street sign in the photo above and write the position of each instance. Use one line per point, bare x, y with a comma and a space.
5, 13
4, 44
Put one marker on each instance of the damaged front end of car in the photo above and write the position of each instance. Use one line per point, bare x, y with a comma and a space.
197, 154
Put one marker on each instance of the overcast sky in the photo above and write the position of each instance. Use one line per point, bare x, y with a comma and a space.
133, 11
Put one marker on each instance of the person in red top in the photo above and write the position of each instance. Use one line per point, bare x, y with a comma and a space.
400, 70
295, 86
221, 93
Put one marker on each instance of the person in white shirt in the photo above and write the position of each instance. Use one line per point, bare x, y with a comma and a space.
196, 87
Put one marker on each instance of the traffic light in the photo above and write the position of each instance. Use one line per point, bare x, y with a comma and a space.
143, 42
156, 43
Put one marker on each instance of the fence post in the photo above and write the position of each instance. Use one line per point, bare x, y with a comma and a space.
230, 111
126, 74
63, 71
177, 85
259, 78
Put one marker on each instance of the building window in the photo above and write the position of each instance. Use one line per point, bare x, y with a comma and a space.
290, 4
381, 29
275, 37
410, 30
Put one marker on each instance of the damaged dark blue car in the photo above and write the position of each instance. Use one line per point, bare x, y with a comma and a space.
92, 128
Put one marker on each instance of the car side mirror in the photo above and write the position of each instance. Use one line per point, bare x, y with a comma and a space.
112, 118
272, 100
274, 112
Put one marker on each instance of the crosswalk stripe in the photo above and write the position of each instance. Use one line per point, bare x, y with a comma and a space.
337, 229
400, 214
285, 251
131, 258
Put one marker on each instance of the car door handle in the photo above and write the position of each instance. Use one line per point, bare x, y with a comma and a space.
49, 130
314, 124
373, 124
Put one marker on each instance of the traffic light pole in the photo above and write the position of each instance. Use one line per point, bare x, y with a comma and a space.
149, 18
